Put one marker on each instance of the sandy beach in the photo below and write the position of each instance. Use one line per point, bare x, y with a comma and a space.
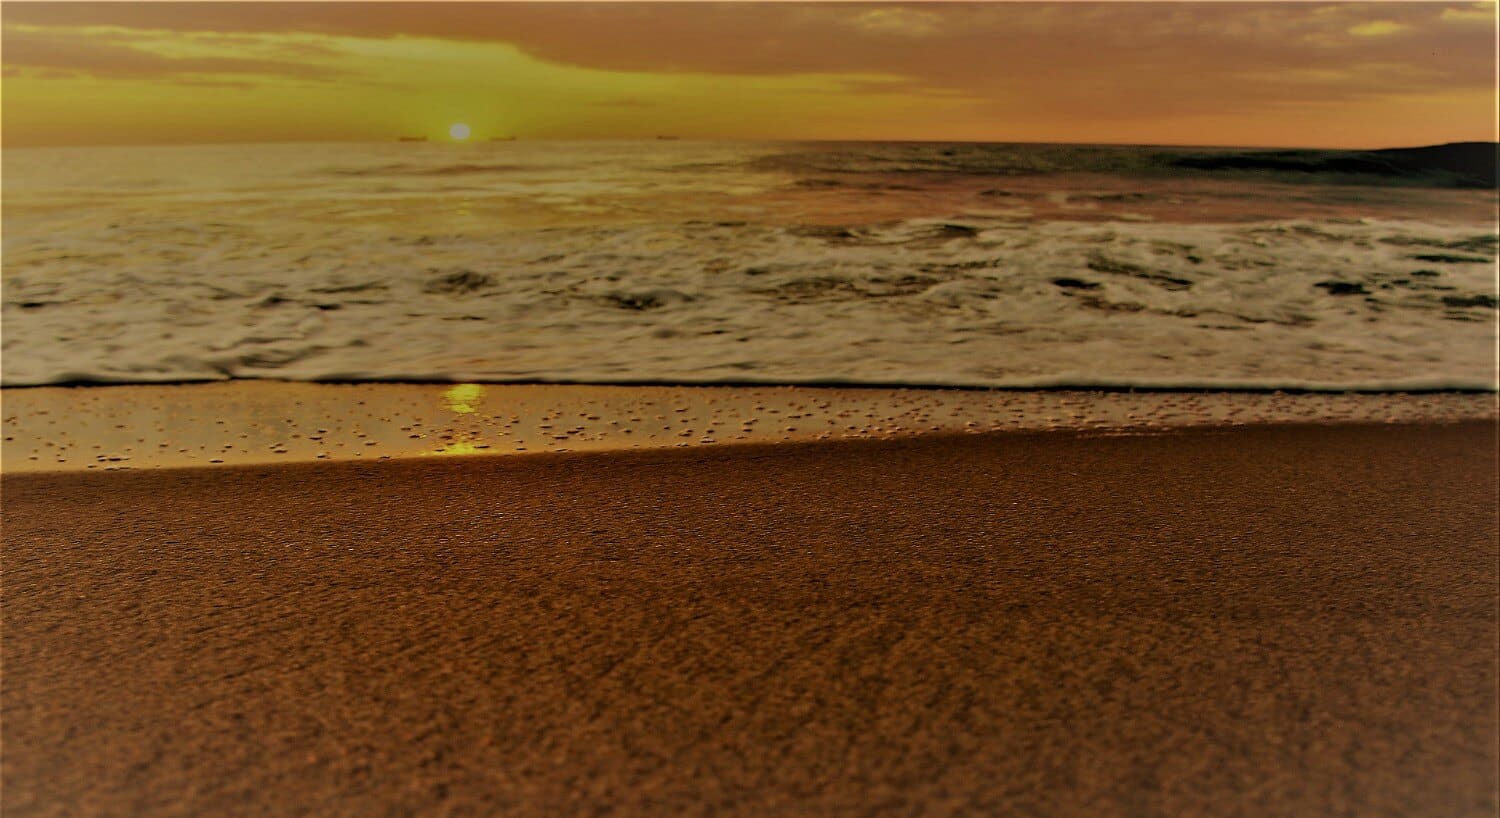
1257, 620
750, 410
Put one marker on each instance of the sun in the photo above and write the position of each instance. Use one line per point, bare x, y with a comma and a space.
458, 131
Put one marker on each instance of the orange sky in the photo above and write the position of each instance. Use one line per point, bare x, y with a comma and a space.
1284, 74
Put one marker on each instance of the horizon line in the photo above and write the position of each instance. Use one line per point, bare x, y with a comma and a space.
403, 139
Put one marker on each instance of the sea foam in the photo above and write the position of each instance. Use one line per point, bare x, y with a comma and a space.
708, 264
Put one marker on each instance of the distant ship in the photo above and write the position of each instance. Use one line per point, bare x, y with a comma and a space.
502, 139
413, 139
668, 137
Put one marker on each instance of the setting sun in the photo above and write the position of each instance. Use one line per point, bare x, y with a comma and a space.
458, 131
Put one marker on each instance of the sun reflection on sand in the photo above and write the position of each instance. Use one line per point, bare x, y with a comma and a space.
465, 443
462, 398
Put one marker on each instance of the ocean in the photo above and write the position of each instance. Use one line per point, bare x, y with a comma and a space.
693, 262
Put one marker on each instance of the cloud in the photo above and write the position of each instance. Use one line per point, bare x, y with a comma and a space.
1477, 13
57, 53
1377, 28
1083, 59
899, 21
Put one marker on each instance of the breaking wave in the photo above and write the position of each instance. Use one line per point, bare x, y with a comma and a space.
615, 281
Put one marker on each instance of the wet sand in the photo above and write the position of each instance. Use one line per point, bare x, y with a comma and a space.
149, 426
1263, 620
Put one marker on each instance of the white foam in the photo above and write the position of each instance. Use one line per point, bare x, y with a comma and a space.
268, 278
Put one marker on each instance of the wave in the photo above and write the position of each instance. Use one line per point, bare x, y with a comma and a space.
419, 170
1320, 305
1459, 164
1456, 165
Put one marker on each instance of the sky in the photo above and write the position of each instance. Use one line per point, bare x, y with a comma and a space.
1281, 74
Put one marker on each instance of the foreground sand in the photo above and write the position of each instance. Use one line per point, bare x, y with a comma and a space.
1294, 620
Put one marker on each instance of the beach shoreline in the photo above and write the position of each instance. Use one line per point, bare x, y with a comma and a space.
144, 426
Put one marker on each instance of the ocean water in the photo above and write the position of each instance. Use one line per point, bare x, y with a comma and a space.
687, 262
